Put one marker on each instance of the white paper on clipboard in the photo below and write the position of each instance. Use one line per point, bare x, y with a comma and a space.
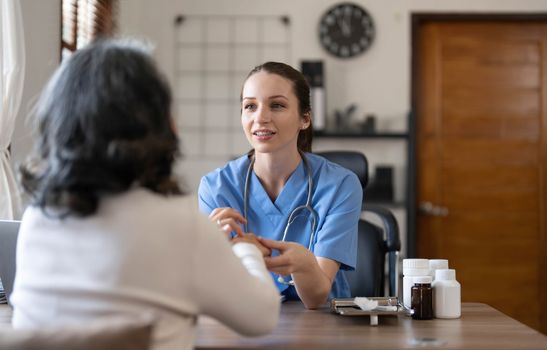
347, 307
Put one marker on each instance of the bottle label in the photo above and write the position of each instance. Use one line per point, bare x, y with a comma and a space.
422, 302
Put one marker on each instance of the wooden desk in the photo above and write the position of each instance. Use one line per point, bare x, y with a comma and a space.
480, 327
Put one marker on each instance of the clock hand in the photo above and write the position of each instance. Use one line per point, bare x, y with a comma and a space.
348, 22
346, 31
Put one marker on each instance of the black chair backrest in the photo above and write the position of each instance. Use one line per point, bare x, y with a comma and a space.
368, 279
351, 160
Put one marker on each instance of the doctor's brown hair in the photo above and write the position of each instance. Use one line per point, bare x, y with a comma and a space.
301, 90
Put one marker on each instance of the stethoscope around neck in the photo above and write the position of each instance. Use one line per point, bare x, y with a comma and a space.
293, 215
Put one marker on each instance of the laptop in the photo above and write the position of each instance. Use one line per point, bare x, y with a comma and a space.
8, 242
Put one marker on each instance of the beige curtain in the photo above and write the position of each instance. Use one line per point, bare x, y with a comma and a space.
12, 64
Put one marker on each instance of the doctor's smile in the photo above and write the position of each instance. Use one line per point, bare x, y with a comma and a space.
264, 135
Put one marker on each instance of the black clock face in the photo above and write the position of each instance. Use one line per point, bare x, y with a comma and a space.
346, 30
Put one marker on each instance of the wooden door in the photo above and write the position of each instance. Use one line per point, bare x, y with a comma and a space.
482, 159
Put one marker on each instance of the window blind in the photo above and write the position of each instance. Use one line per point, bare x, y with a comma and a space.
83, 21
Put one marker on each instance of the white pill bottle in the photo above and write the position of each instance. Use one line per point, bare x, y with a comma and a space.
446, 294
436, 264
412, 268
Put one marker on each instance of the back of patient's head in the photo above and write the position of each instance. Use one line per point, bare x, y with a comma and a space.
104, 125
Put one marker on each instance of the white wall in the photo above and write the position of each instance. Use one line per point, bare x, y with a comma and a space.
377, 81
41, 23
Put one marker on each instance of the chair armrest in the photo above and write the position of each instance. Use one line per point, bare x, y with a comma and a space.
393, 244
393, 241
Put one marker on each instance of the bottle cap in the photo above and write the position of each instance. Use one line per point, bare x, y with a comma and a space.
422, 279
435, 264
445, 275
415, 272
413, 264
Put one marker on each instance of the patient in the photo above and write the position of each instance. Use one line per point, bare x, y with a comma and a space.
108, 232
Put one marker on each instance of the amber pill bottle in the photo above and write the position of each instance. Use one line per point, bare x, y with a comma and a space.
422, 298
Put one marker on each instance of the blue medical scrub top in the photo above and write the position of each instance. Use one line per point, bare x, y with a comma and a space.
336, 198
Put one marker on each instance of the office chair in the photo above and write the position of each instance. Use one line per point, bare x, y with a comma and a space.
374, 242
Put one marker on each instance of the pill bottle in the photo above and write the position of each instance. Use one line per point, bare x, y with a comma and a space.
436, 264
422, 298
446, 294
411, 269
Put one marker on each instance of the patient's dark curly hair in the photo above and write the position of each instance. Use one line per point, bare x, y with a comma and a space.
104, 125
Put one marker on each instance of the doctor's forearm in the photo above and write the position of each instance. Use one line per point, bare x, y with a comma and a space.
313, 286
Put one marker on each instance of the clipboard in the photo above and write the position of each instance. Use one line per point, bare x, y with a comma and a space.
346, 307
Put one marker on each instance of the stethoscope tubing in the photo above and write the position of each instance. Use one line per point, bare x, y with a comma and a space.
292, 215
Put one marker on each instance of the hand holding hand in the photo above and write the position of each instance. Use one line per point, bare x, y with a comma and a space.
251, 238
228, 220
293, 257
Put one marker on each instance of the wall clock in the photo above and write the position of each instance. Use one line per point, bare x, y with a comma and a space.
346, 30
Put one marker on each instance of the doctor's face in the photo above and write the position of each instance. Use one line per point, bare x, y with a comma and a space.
270, 113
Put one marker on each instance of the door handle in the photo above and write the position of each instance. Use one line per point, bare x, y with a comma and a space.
429, 208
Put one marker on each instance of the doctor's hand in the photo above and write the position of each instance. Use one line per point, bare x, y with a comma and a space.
293, 257
253, 239
228, 220
312, 276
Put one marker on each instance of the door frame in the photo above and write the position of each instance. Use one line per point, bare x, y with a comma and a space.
418, 19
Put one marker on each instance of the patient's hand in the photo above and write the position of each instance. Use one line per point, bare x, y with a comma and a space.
251, 238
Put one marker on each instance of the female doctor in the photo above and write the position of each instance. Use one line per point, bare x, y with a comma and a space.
299, 209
